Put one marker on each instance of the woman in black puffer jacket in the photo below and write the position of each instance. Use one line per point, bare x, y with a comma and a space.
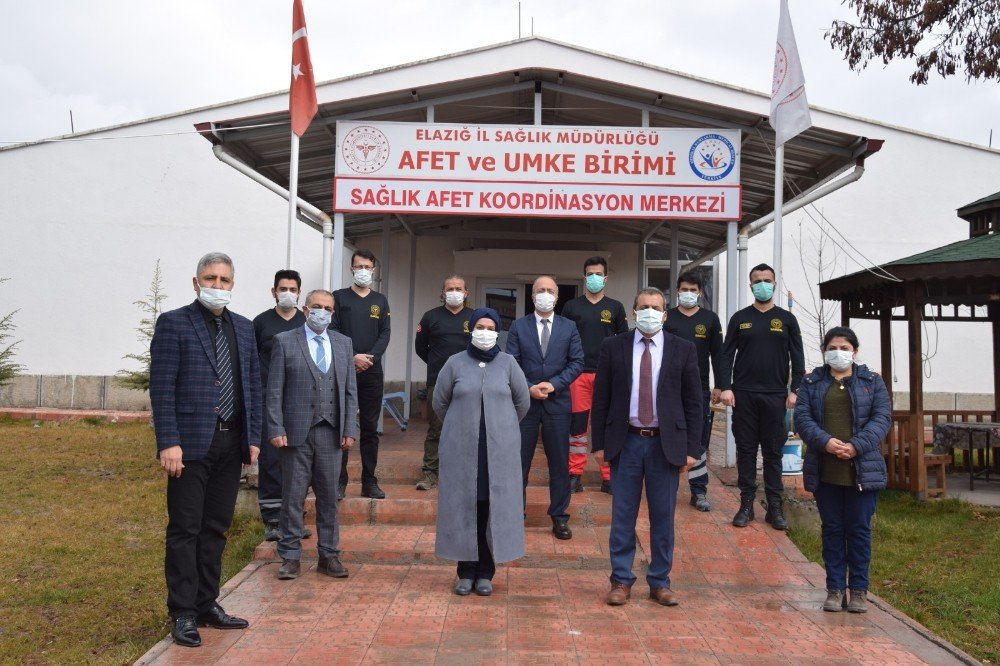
842, 414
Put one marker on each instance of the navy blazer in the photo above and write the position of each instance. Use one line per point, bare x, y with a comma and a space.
184, 382
679, 398
562, 364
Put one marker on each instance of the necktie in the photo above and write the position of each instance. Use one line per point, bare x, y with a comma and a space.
226, 390
321, 361
646, 385
545, 336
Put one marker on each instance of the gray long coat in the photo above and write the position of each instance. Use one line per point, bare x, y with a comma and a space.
461, 387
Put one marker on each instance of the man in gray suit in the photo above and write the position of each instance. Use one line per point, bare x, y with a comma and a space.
312, 398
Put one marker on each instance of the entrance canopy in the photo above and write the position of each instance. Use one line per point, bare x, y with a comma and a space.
536, 81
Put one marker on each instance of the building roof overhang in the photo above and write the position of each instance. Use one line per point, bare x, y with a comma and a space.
576, 87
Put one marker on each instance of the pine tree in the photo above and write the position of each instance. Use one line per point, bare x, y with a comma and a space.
8, 368
151, 307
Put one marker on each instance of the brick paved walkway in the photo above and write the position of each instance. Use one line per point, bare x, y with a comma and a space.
747, 596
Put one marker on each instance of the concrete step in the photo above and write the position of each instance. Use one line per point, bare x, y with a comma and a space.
404, 505
405, 545
406, 467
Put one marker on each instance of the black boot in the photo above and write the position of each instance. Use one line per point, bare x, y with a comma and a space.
775, 515
744, 516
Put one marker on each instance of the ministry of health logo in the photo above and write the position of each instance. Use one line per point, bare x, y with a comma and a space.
712, 157
365, 149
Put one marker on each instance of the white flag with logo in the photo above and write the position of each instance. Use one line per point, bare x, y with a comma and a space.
789, 108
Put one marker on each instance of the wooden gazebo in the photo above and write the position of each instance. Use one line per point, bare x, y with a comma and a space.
959, 282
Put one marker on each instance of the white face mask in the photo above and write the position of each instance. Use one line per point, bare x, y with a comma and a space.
687, 299
838, 359
544, 301
649, 321
484, 339
214, 299
319, 319
363, 277
454, 298
287, 300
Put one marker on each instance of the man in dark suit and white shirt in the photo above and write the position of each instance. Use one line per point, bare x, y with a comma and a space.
204, 386
549, 351
647, 420
312, 397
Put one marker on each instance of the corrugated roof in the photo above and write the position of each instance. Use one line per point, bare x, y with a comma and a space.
568, 97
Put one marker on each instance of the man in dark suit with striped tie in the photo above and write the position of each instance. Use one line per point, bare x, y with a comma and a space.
204, 385
647, 419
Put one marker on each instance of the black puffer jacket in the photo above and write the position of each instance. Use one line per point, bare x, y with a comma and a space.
872, 415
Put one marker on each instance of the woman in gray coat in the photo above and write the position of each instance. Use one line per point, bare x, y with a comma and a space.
481, 396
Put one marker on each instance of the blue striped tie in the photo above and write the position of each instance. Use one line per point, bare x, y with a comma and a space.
227, 397
320, 354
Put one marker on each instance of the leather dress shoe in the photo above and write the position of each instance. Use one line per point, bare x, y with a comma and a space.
575, 483
463, 587
271, 531
217, 618
484, 587
372, 491
663, 596
289, 569
185, 632
606, 487
700, 502
332, 567
561, 530
619, 594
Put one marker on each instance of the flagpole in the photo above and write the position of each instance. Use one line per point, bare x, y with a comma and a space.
779, 196
293, 197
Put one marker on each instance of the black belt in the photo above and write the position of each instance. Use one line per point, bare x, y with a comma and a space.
223, 426
644, 432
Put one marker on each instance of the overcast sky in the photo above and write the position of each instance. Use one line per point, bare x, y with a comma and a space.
114, 61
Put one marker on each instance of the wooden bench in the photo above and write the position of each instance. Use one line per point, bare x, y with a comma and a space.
938, 462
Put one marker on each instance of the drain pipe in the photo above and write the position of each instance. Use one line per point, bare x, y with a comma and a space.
802, 200
758, 225
309, 213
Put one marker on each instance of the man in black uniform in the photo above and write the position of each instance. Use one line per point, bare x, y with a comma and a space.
597, 317
702, 327
760, 342
363, 315
284, 316
442, 332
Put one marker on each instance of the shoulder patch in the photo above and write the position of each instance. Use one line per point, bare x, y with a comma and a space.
745, 325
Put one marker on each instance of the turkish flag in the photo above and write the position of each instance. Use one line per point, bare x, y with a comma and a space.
302, 91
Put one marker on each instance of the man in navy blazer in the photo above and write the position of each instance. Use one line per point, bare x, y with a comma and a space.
204, 385
646, 421
549, 351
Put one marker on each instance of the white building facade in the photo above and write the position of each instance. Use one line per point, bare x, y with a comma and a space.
84, 220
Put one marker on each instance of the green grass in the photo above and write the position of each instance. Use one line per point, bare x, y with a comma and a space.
83, 518
937, 562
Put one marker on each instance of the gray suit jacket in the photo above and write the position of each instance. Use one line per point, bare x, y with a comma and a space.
292, 384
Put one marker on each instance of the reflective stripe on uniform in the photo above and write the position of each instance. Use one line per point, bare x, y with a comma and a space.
700, 468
